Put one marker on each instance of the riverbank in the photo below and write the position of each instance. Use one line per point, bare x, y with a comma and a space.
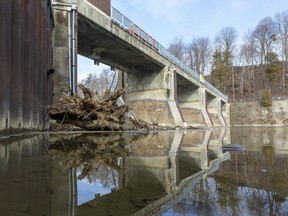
253, 114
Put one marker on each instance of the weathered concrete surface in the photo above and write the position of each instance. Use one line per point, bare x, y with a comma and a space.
252, 113
103, 5
152, 111
193, 117
226, 107
188, 97
60, 52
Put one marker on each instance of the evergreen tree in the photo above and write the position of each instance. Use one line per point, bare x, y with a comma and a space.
273, 66
221, 69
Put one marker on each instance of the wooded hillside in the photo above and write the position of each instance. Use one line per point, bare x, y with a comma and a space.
248, 83
245, 67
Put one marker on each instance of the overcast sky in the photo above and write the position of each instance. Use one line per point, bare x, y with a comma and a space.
166, 19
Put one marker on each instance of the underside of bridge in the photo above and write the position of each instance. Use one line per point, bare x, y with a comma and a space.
96, 43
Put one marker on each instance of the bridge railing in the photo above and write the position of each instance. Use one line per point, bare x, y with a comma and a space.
135, 30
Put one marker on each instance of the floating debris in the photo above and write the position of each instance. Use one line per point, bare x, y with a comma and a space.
233, 147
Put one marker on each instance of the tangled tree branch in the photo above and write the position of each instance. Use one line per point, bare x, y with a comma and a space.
93, 112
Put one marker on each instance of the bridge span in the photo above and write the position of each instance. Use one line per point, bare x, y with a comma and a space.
160, 89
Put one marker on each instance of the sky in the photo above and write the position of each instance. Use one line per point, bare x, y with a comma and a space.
165, 20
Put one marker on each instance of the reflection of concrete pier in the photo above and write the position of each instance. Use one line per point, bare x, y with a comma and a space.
155, 166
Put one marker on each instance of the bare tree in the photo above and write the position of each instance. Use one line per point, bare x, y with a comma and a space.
177, 48
281, 22
248, 50
264, 35
199, 53
248, 56
100, 82
225, 40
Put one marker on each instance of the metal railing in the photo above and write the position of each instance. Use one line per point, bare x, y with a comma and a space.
135, 30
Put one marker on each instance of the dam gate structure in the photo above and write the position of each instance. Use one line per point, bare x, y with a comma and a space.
161, 88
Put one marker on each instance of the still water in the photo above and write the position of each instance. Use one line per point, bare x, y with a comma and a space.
162, 173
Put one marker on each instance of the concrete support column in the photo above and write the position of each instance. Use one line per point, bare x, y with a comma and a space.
64, 46
151, 95
173, 101
203, 106
225, 110
219, 111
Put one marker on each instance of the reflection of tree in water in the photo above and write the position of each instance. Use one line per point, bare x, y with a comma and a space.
201, 201
108, 177
227, 195
262, 202
207, 200
253, 184
269, 153
96, 155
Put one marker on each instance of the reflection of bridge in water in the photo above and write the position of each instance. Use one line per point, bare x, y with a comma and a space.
160, 165
154, 167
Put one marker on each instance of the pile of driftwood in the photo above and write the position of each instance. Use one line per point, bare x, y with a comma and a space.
91, 112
